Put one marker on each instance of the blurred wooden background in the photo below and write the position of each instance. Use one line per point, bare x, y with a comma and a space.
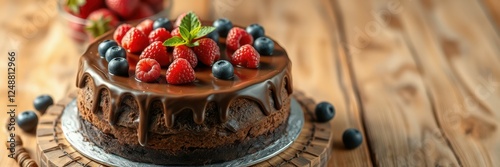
419, 78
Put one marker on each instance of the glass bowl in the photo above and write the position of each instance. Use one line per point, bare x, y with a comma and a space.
75, 26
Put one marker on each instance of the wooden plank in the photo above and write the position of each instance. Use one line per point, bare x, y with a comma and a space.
312, 158
392, 91
338, 81
300, 161
64, 101
275, 161
463, 118
492, 10
288, 165
55, 110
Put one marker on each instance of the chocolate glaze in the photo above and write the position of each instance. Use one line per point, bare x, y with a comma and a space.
253, 84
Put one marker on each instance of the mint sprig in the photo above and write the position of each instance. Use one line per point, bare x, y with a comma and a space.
190, 29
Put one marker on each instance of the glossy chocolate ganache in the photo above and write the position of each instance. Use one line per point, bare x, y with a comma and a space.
263, 86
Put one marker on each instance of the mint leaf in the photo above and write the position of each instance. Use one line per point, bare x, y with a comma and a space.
194, 32
174, 41
193, 44
190, 22
204, 31
185, 33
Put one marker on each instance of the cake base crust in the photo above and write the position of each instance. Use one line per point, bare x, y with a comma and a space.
188, 156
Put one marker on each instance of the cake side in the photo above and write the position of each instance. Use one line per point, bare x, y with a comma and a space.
247, 131
245, 119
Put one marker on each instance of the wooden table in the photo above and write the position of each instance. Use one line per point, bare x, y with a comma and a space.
419, 78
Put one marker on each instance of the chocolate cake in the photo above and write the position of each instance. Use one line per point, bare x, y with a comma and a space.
208, 121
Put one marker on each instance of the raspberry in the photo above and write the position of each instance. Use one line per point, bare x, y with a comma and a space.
208, 51
159, 34
180, 72
156, 51
120, 32
176, 32
147, 70
246, 56
182, 51
146, 26
238, 37
135, 41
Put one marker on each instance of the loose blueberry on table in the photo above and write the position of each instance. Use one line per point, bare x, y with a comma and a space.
42, 102
324, 112
114, 52
352, 138
27, 120
104, 46
223, 26
256, 30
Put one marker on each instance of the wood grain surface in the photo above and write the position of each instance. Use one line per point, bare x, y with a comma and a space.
419, 78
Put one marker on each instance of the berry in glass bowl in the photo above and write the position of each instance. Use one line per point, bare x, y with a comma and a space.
87, 19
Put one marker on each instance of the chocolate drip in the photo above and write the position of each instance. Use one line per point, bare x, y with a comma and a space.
252, 84
144, 103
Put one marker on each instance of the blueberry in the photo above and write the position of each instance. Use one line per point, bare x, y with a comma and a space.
214, 35
42, 102
118, 66
222, 69
223, 26
255, 30
264, 46
324, 112
115, 51
163, 22
104, 46
352, 138
27, 120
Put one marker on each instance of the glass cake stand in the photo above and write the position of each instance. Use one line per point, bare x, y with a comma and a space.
71, 129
